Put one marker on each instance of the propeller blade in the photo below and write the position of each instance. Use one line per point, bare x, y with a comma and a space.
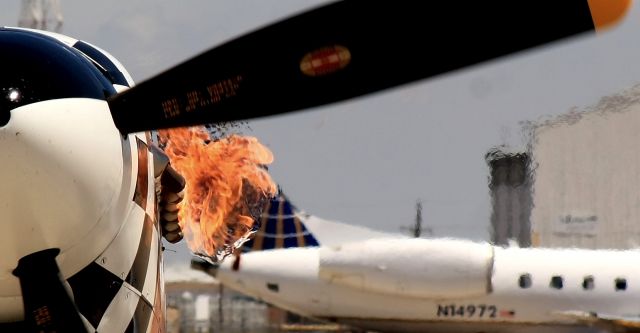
347, 49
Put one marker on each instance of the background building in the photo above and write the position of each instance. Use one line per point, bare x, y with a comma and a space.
202, 305
586, 175
198, 303
510, 189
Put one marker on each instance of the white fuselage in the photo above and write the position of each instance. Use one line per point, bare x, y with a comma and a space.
72, 182
521, 289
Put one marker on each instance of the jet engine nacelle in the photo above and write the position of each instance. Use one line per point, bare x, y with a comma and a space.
416, 267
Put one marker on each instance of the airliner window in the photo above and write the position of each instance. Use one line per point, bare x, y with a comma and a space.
588, 283
621, 284
556, 282
273, 287
525, 281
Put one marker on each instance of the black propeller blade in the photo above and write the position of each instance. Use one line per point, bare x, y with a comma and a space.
347, 49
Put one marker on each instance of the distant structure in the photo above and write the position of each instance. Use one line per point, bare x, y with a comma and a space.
41, 14
201, 318
416, 229
510, 188
198, 303
586, 175
202, 309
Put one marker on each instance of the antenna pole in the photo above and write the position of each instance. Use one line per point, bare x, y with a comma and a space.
417, 229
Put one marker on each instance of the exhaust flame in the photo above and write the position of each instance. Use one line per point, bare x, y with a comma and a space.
227, 186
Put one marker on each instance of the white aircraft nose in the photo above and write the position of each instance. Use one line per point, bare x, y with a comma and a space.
61, 174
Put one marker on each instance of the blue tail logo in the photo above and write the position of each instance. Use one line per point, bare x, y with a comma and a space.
281, 226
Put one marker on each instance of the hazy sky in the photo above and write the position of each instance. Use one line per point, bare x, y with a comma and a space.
368, 160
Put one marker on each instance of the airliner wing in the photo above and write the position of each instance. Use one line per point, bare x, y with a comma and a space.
595, 318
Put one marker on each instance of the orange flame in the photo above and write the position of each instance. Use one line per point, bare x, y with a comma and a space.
226, 181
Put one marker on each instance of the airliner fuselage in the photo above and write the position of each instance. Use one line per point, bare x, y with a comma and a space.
446, 286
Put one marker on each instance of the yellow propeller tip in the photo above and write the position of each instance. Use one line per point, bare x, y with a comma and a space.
608, 13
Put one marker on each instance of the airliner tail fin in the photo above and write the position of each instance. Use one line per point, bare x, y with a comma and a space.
281, 226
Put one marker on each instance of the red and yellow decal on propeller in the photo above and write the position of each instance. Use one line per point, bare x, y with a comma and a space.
325, 60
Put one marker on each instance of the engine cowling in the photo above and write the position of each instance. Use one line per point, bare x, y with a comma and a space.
426, 268
66, 171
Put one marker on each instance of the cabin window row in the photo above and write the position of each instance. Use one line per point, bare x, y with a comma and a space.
557, 282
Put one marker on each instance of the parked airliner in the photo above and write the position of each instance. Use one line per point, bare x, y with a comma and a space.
397, 284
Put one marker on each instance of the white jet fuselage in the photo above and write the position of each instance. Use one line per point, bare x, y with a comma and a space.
445, 285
